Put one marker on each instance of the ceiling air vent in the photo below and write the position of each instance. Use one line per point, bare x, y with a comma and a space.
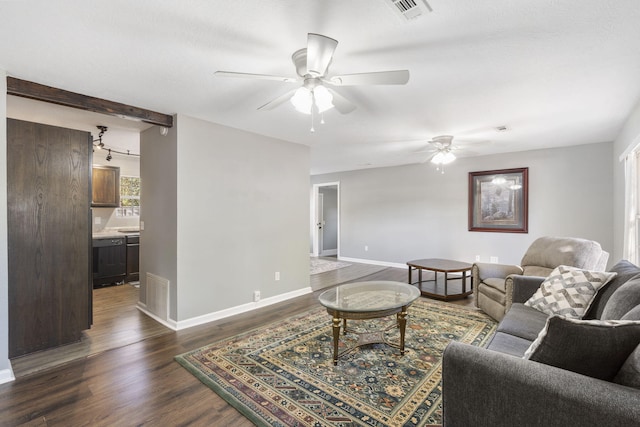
410, 9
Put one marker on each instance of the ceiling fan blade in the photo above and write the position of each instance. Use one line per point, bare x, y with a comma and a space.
278, 101
254, 76
342, 104
319, 53
397, 77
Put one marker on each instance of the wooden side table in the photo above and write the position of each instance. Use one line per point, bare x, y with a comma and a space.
445, 266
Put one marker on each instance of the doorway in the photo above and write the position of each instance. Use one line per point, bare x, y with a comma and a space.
325, 221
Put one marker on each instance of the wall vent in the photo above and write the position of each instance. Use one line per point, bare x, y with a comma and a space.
158, 296
410, 9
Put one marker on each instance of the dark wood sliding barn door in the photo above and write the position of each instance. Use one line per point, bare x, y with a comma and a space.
48, 189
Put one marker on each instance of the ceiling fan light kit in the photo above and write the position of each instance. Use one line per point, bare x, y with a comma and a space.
443, 158
305, 99
443, 155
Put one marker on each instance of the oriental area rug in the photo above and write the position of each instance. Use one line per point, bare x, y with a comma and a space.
282, 374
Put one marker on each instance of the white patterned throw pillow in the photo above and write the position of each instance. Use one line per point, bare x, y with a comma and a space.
568, 291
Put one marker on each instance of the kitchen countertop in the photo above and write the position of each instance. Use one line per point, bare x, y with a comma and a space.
114, 233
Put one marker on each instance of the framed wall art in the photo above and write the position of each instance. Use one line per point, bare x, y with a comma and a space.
499, 200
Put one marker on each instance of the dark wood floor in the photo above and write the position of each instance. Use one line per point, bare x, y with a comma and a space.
140, 383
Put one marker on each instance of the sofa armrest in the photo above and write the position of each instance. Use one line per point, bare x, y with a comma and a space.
521, 288
486, 388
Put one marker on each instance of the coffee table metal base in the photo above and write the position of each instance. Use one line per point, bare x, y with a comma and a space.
364, 338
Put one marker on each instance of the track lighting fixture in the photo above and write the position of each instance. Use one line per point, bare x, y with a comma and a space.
100, 145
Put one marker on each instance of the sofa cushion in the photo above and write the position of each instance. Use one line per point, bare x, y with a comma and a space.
509, 344
629, 374
596, 348
534, 270
633, 314
625, 271
568, 291
623, 300
522, 321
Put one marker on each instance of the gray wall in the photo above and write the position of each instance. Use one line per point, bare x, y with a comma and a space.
242, 215
411, 212
159, 210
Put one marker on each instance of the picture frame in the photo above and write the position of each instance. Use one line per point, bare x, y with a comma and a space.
499, 200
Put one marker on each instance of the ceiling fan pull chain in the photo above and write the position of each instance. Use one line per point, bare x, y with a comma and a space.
313, 109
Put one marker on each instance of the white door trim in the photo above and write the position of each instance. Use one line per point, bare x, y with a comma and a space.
314, 216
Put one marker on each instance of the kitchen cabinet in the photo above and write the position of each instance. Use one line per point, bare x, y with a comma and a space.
105, 187
49, 235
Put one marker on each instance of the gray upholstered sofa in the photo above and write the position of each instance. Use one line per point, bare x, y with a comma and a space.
496, 386
493, 281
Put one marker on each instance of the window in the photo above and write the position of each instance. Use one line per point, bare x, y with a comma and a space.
129, 196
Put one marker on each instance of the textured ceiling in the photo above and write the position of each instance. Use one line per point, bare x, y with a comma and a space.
554, 72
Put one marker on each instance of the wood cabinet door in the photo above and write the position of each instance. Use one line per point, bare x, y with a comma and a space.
49, 236
106, 186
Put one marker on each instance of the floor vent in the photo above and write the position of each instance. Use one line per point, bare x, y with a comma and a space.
158, 296
410, 9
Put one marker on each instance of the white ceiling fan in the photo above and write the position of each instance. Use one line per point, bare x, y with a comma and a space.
312, 66
442, 154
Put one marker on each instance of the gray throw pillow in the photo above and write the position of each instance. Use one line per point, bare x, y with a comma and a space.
629, 374
625, 271
595, 348
623, 299
568, 291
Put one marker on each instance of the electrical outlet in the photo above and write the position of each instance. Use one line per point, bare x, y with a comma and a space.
494, 259
141, 225
477, 257
256, 296
277, 275
97, 220
366, 248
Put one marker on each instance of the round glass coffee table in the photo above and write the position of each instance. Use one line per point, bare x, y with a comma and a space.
368, 300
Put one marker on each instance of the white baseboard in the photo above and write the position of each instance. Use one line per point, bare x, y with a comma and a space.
210, 317
6, 375
374, 262
171, 324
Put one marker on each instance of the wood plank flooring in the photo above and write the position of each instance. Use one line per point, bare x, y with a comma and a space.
116, 322
139, 383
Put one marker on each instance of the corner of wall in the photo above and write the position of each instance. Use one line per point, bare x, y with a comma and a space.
5, 366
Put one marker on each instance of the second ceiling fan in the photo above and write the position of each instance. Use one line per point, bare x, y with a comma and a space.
312, 66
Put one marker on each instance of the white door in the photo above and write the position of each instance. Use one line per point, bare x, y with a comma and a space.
321, 223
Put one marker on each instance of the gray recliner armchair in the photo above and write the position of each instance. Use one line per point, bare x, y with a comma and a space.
492, 283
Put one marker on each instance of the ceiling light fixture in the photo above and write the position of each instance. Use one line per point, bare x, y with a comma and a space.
443, 155
100, 145
312, 98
